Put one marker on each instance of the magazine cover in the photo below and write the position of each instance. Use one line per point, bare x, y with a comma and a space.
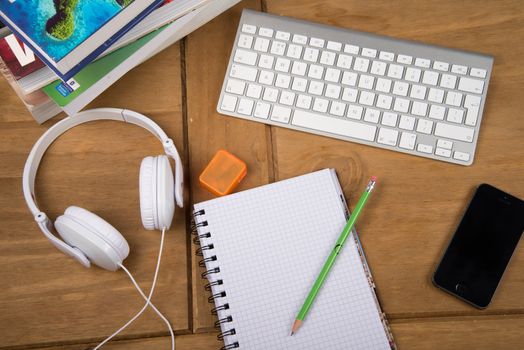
18, 57
65, 32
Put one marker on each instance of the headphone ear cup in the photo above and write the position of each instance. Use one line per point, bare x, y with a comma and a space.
147, 189
165, 192
95, 237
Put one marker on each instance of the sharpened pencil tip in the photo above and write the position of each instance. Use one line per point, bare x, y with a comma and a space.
292, 333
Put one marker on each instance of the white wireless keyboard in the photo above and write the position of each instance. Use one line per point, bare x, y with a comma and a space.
389, 93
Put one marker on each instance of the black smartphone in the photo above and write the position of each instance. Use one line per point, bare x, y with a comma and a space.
481, 248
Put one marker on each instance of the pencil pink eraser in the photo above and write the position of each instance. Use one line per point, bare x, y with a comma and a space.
374, 178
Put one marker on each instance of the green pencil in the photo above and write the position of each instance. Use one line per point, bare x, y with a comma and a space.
332, 257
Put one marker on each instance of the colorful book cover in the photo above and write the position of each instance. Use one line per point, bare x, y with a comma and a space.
17, 57
64, 33
63, 93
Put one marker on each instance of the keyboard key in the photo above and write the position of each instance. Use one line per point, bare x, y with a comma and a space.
304, 101
228, 103
262, 110
261, 44
282, 64
425, 148
471, 85
349, 95
344, 61
294, 51
454, 99
455, 115
300, 39
282, 35
336, 126
406, 122
407, 140
332, 91
448, 81
235, 86
389, 119
384, 101
366, 82
422, 62
386, 56
461, 156
459, 69
361, 64
478, 73
378, 68
299, 84
315, 71
283, 81
355, 112
254, 91
372, 115
333, 45
395, 71
316, 88
387, 136
401, 105
437, 112
353, 49
310, 54
349, 78
472, 104
245, 57
419, 108
245, 106
245, 41
243, 72
443, 66
404, 59
287, 98
366, 98
299, 68
266, 77
332, 75
316, 42
337, 108
454, 132
320, 105
383, 85
366, 52
267, 32
270, 95
266, 61
430, 78
248, 28
424, 126
418, 92
444, 144
278, 48
400, 88
443, 152
413, 74
281, 114
327, 58
436, 95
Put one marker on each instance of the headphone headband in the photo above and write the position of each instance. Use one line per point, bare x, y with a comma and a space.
38, 150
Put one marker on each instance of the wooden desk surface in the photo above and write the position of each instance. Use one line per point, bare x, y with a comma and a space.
48, 301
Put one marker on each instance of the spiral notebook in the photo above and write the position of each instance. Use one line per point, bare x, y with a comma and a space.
262, 250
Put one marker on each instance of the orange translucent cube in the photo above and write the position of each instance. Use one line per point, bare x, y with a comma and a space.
223, 173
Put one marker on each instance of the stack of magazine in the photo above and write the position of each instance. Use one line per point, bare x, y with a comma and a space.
59, 55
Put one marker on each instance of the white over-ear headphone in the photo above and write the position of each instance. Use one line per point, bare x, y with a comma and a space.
87, 237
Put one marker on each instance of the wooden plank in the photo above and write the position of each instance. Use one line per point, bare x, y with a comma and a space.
48, 298
207, 55
419, 202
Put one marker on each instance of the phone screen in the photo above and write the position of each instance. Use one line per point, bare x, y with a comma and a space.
482, 246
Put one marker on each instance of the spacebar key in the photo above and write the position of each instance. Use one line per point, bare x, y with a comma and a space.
334, 125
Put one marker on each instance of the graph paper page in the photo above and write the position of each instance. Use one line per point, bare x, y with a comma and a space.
270, 244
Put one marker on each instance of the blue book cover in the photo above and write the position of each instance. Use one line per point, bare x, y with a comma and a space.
68, 34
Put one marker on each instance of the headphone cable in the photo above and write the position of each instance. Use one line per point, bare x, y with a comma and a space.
147, 299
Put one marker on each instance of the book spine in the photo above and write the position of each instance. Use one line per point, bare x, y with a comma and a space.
216, 285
